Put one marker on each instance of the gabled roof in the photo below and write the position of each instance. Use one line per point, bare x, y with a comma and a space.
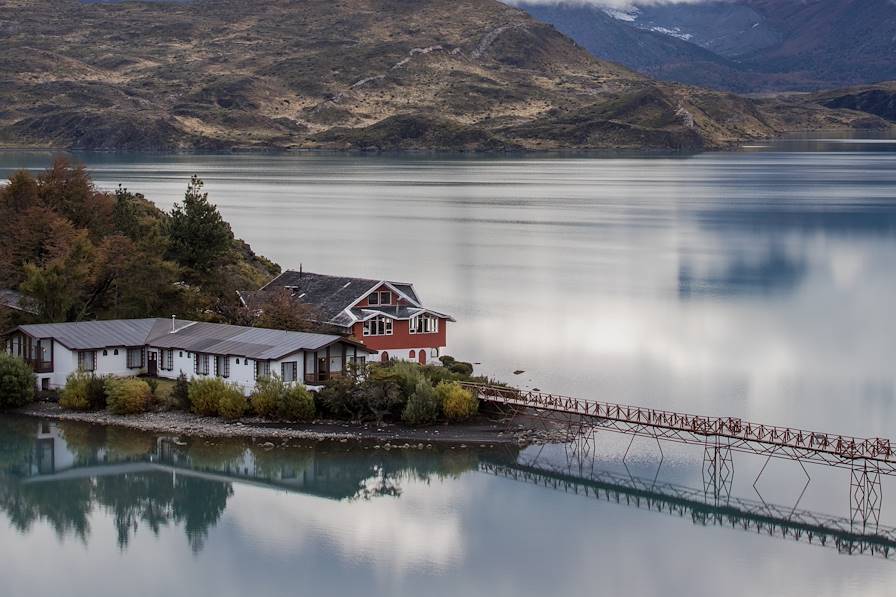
329, 294
212, 338
335, 297
362, 314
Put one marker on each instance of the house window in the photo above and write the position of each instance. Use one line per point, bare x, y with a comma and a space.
170, 360
87, 360
105, 352
115, 352
237, 361
289, 371
135, 358
378, 326
423, 324
412, 355
222, 366
359, 362
180, 354
383, 297
200, 366
262, 369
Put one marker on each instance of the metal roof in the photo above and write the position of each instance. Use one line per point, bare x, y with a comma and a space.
13, 299
212, 338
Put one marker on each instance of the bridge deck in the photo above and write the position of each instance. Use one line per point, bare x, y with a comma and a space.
738, 434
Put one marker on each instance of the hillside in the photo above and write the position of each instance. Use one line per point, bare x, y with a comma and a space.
384, 74
740, 45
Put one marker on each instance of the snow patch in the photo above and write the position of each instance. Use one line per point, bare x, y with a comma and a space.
623, 14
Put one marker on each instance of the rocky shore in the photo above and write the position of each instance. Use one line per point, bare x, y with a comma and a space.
481, 431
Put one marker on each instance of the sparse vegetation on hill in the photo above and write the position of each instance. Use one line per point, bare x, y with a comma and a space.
343, 74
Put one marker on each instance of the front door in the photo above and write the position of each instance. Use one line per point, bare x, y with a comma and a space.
152, 364
323, 369
422, 357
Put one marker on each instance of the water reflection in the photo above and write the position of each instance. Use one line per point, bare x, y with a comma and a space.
59, 473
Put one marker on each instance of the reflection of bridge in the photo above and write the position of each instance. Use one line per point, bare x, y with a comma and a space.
866, 458
677, 500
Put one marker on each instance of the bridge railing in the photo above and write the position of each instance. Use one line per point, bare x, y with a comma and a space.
843, 446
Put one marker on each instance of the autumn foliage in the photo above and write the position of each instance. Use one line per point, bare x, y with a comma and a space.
78, 252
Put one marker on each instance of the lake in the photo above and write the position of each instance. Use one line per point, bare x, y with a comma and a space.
756, 284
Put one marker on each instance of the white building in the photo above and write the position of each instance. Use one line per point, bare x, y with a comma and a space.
166, 348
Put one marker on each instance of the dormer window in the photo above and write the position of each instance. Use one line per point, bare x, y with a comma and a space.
383, 297
378, 326
423, 324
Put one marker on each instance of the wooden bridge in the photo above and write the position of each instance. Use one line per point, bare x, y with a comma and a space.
866, 458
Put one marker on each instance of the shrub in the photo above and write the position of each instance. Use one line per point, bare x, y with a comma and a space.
340, 398
128, 396
274, 399
406, 374
458, 404
205, 395
383, 398
180, 393
17, 382
459, 368
74, 395
232, 405
153, 384
267, 395
297, 404
423, 405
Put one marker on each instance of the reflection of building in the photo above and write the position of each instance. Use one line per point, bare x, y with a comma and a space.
166, 348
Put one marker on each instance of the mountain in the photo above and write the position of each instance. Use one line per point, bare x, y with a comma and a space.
344, 74
740, 45
879, 99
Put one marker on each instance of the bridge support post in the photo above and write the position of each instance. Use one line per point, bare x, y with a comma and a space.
865, 495
718, 471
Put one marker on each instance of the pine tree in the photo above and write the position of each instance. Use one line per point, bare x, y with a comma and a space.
198, 235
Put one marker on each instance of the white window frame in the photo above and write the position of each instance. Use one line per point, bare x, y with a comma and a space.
430, 324
372, 326
129, 361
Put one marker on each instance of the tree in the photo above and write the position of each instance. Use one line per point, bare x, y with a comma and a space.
125, 216
61, 289
17, 382
199, 237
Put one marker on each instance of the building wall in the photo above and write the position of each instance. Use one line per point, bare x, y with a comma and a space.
401, 338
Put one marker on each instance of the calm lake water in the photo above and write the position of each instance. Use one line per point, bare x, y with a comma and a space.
757, 284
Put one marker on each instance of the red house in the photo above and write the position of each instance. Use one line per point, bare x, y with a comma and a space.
387, 316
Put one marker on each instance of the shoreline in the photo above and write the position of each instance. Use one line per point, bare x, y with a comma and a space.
480, 431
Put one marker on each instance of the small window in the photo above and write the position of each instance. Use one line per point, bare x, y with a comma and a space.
237, 361
434, 353
412, 355
262, 369
105, 352
87, 360
115, 352
180, 354
289, 371
45, 386
423, 324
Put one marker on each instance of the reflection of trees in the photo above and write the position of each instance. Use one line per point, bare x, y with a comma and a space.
162, 480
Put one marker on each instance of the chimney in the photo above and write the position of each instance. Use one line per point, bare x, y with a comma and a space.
300, 271
173, 324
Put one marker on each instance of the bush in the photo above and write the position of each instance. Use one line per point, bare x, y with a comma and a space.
458, 404
460, 368
297, 404
232, 405
274, 399
267, 395
340, 398
128, 396
423, 405
205, 395
83, 391
406, 374
153, 384
74, 395
17, 382
180, 393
